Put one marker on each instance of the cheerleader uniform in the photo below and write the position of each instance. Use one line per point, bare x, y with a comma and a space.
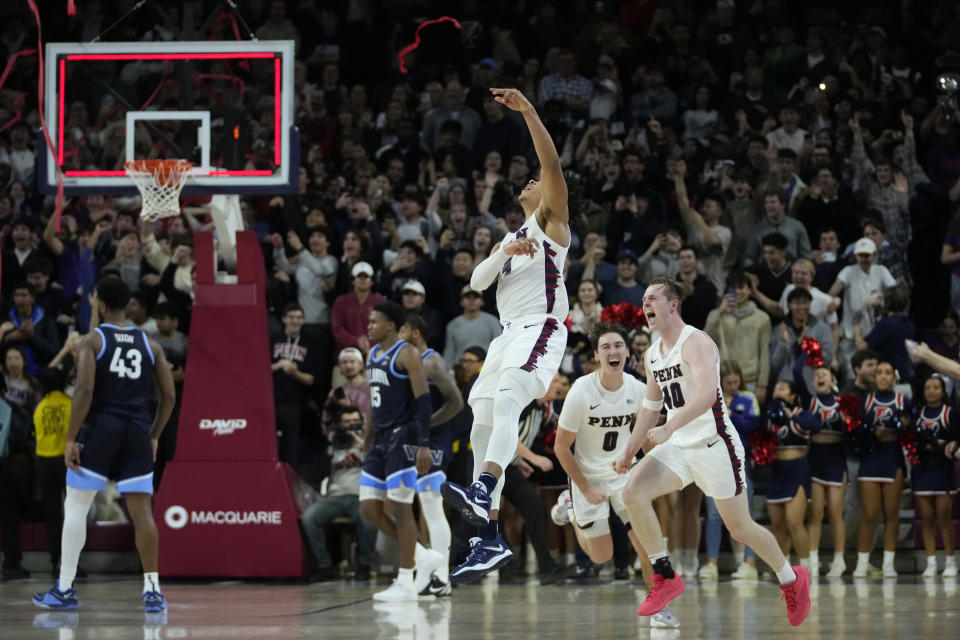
828, 460
786, 476
934, 476
880, 410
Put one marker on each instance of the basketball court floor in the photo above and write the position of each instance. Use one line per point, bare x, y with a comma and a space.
110, 608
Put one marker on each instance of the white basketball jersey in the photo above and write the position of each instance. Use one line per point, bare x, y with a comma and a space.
534, 286
675, 378
601, 419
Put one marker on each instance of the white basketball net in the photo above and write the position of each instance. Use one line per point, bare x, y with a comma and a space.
159, 182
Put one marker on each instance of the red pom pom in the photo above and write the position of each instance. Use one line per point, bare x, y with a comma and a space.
763, 446
850, 410
568, 323
814, 351
624, 313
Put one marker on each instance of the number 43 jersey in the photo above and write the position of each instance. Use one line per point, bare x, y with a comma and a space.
124, 382
601, 419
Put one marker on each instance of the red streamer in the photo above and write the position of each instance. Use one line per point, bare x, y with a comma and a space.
17, 102
814, 351
416, 43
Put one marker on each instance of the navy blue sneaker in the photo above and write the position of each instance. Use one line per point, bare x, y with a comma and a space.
153, 602
56, 599
485, 556
473, 501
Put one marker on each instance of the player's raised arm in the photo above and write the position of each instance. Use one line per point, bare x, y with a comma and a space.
452, 399
647, 418
553, 187
88, 348
702, 356
163, 378
409, 359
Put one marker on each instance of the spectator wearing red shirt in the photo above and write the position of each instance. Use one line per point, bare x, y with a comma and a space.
351, 311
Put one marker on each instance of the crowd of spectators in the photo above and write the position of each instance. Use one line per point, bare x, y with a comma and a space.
752, 149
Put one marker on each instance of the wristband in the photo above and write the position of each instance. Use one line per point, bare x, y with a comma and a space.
652, 405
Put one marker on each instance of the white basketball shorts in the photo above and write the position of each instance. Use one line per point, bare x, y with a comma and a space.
715, 464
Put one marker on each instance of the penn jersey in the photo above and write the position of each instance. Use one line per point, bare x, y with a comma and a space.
533, 287
675, 378
391, 397
826, 408
601, 419
881, 408
123, 385
941, 421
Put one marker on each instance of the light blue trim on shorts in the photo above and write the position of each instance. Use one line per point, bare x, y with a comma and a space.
370, 480
138, 484
86, 479
431, 482
402, 478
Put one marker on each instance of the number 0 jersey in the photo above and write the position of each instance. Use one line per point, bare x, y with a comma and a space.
124, 380
674, 376
601, 419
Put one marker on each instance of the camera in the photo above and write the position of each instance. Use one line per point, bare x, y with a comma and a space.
343, 434
948, 84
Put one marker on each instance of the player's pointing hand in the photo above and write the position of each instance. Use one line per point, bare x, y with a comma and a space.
512, 99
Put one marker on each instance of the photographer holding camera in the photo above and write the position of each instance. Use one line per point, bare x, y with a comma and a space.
342, 497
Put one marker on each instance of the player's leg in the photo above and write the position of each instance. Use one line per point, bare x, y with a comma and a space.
891, 492
944, 507
870, 507
928, 518
690, 500
838, 528
431, 508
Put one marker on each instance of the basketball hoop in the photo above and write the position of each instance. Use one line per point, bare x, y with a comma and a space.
159, 182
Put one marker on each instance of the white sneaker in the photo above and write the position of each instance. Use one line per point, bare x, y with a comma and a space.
708, 572
837, 567
664, 619
744, 572
950, 568
397, 592
693, 562
889, 571
814, 568
429, 562
559, 513
931, 569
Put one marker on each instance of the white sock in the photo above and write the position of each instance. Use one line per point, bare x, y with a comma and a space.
949, 561
691, 561
814, 558
571, 558
75, 509
656, 556
151, 581
785, 574
405, 576
863, 559
431, 504
419, 552
888, 558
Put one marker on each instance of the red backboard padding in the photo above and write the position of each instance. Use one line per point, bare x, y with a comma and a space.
225, 499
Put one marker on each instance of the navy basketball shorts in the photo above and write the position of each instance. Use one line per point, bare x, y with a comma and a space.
828, 463
935, 477
881, 464
114, 448
441, 452
786, 478
390, 468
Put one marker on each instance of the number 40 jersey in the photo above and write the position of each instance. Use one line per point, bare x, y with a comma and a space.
601, 419
124, 382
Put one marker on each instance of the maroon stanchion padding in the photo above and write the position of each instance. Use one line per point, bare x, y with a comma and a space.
225, 506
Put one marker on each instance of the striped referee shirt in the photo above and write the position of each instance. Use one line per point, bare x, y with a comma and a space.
532, 418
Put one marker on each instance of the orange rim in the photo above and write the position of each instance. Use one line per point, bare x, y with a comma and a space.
165, 172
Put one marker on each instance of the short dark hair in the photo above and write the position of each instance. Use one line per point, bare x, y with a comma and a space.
292, 306
165, 310
896, 300
690, 247
737, 279
23, 284
674, 292
799, 293
775, 239
342, 411
413, 246
52, 379
114, 293
874, 222
318, 229
38, 264
603, 328
393, 311
416, 322
480, 352
787, 153
466, 250
862, 356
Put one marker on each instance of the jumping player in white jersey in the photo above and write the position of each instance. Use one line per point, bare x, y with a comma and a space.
697, 443
598, 413
520, 364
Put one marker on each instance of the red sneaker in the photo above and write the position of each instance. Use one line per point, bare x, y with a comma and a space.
663, 591
797, 596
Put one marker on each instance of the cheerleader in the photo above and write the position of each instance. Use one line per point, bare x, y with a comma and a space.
790, 476
881, 472
933, 479
828, 464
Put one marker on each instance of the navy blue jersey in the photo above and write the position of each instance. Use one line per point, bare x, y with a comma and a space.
827, 410
124, 381
942, 421
881, 408
391, 397
436, 397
